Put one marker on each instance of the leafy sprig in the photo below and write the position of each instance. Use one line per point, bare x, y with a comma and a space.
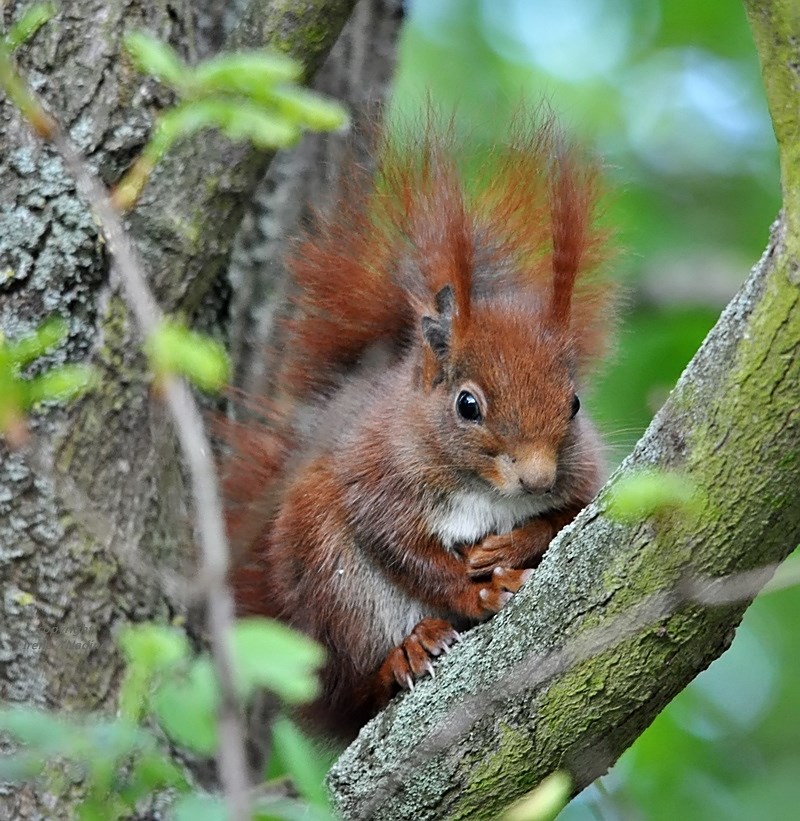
248, 96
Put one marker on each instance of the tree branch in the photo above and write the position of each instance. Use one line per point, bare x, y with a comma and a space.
776, 27
732, 427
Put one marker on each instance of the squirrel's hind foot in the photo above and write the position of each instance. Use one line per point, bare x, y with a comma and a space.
411, 660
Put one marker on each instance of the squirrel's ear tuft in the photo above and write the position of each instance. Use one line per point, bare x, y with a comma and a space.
438, 331
436, 336
445, 301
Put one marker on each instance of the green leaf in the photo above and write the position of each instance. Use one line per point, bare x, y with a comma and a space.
154, 646
158, 770
102, 805
30, 22
157, 58
270, 654
151, 772
12, 401
544, 803
652, 493
149, 650
20, 767
302, 760
109, 740
237, 119
245, 72
200, 808
173, 348
134, 692
310, 109
186, 707
42, 731
60, 384
94, 808
18, 394
30, 347
243, 121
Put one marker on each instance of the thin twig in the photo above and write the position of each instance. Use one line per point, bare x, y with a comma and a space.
129, 272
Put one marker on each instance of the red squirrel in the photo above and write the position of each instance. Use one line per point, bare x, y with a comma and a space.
431, 440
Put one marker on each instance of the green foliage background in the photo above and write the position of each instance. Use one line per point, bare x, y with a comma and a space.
668, 92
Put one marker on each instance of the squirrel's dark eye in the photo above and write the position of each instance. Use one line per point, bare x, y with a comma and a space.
576, 406
468, 407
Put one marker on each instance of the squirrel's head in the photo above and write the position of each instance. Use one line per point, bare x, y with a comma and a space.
509, 311
503, 397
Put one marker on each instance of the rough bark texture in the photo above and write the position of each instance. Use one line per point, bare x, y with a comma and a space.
52, 262
357, 72
74, 548
732, 425
491, 725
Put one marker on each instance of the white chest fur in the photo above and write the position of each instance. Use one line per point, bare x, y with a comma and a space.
467, 516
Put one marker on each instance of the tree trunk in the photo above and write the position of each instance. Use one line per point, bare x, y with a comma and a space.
99, 502
614, 622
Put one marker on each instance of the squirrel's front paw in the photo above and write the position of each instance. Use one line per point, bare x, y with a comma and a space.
491, 552
412, 659
495, 593
522, 547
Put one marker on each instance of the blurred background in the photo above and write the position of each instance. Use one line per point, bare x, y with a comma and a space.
668, 92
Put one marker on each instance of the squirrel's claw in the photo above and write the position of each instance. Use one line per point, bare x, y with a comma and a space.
413, 658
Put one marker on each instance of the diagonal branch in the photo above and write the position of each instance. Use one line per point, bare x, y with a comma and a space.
732, 426
776, 27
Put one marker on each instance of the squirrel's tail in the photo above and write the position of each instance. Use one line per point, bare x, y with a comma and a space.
345, 298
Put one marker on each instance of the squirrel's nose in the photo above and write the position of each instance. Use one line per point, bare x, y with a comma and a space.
536, 472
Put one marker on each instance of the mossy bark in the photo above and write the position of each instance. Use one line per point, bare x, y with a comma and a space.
93, 519
776, 29
494, 722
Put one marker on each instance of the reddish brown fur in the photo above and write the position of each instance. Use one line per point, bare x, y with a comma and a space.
388, 509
